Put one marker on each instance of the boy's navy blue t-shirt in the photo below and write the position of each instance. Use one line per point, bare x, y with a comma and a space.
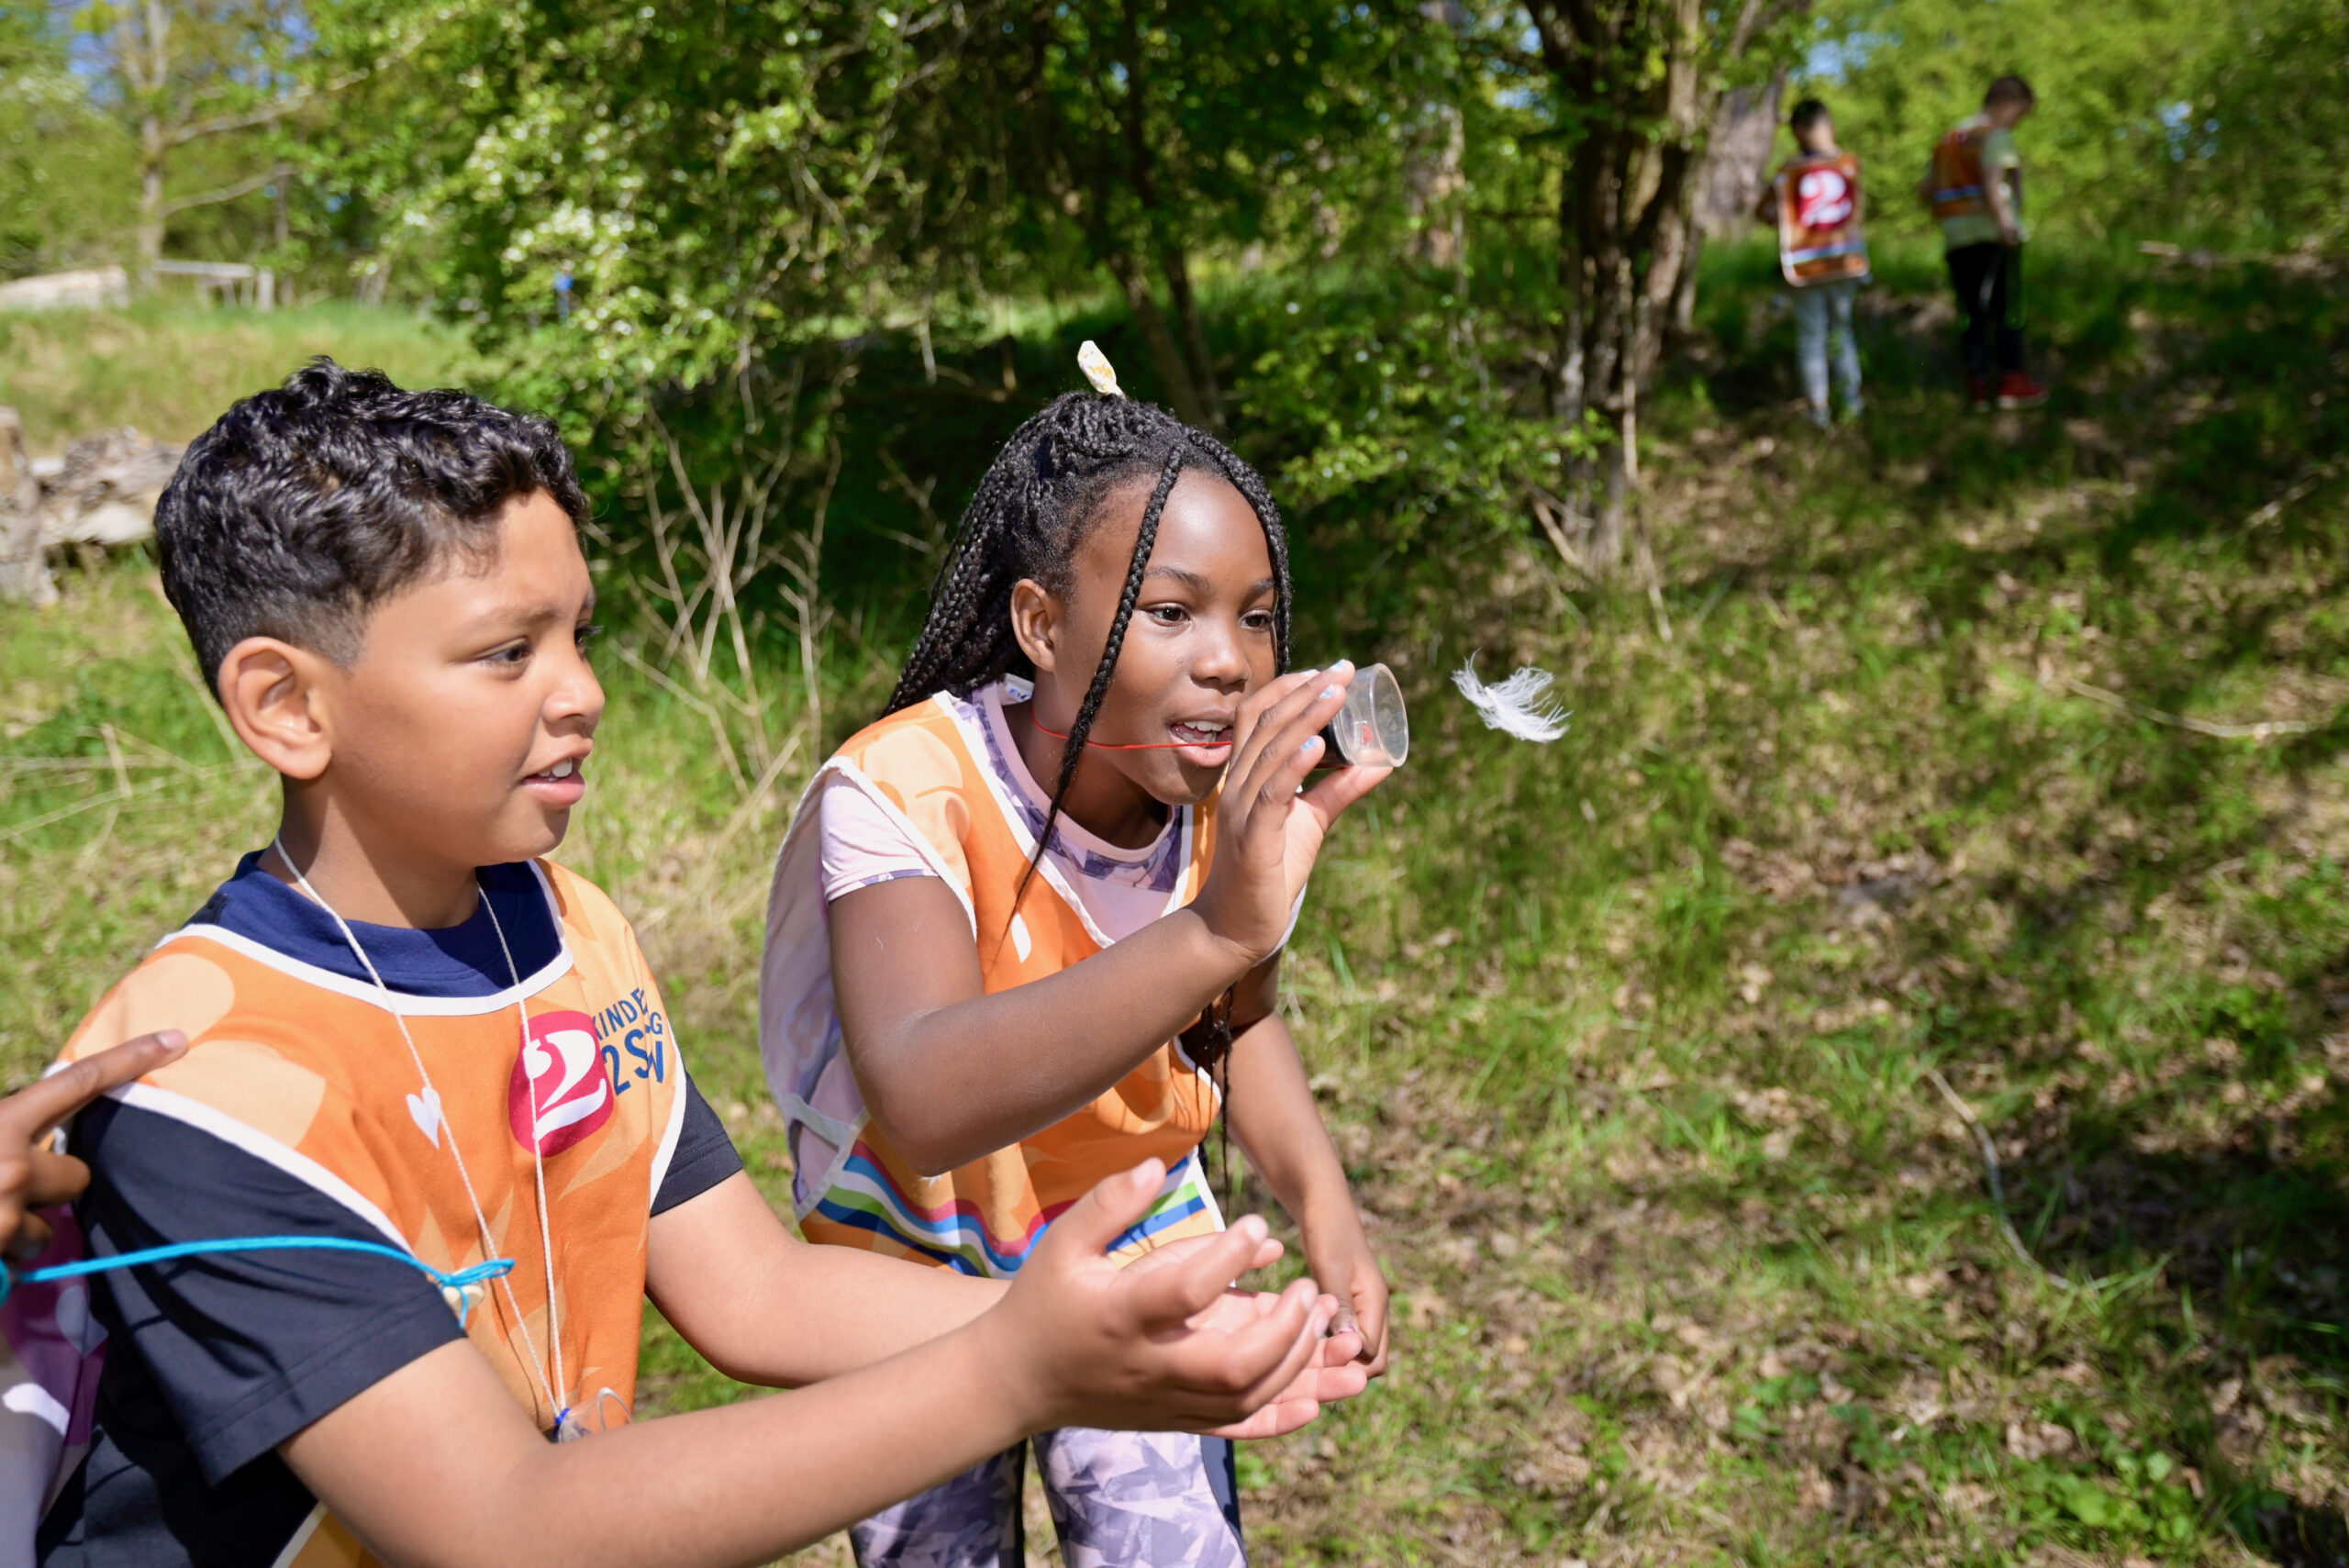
213, 1361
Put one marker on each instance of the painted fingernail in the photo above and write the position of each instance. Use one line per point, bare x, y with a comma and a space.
1328, 690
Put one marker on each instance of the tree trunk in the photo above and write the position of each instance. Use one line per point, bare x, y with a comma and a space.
1627, 236
1433, 185
153, 149
1737, 158
1185, 369
143, 55
1166, 356
1205, 389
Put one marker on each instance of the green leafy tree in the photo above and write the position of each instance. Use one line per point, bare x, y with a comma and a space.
219, 86
1155, 131
64, 165
710, 180
2155, 117
2266, 128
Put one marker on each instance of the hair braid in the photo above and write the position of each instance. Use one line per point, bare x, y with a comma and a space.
1072, 749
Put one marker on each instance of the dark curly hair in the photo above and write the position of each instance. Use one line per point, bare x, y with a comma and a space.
1040, 499
306, 506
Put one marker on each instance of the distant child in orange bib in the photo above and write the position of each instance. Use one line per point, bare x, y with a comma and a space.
1815, 201
1026, 929
1974, 183
366, 1262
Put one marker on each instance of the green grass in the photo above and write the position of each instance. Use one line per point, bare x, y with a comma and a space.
170, 369
1626, 1040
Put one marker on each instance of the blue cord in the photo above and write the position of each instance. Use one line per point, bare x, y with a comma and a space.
495, 1268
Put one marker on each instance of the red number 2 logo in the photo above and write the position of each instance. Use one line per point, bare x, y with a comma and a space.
557, 1096
1822, 199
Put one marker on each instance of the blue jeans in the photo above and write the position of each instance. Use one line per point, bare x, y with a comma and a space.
1823, 321
1118, 1500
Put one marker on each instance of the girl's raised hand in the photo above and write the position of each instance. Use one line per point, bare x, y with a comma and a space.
1269, 834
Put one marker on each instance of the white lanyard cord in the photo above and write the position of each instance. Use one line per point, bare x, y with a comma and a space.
537, 1172
555, 1402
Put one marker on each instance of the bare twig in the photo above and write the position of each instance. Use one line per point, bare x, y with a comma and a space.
2265, 729
184, 662
1656, 585
1997, 1187
717, 719
230, 193
2315, 474
47, 818
300, 98
1554, 514
114, 757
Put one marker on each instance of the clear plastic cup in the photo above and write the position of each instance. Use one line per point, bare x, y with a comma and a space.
1370, 730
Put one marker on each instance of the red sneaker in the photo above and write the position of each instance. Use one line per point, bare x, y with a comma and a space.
2017, 389
1978, 392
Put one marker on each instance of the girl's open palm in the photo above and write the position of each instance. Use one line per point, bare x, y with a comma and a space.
1269, 834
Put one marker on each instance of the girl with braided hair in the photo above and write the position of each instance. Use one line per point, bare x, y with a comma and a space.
1026, 932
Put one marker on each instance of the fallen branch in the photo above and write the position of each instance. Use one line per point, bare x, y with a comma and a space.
1997, 1187
2265, 729
2316, 473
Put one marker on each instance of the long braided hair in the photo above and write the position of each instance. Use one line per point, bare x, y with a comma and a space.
1040, 499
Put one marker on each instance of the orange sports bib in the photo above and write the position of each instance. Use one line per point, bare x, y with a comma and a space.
851, 1187
307, 1070
1818, 220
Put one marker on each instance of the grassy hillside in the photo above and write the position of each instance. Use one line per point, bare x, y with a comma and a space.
1964, 780
170, 370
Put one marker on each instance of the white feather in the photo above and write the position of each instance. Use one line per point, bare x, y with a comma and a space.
1516, 706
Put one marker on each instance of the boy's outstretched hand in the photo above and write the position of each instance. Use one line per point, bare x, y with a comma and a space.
1164, 1344
32, 1176
1339, 1371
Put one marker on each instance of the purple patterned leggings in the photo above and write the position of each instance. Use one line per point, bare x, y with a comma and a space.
1118, 1500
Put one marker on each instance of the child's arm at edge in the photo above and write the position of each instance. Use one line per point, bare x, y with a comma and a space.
32, 1175
437, 1465
1271, 1108
1995, 186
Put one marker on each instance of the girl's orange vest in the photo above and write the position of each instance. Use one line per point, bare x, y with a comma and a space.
851, 1187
